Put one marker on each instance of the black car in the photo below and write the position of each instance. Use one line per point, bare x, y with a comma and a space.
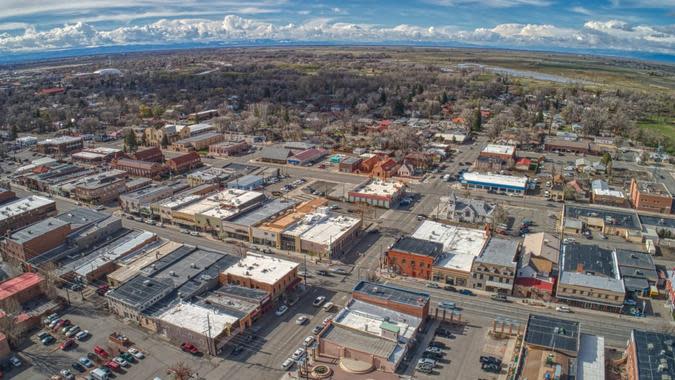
490, 367
322, 273
437, 344
424, 368
490, 360
431, 355
78, 367
450, 288
443, 332
237, 350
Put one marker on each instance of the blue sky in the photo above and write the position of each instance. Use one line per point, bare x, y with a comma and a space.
624, 25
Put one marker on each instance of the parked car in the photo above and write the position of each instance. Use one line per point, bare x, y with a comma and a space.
113, 365
78, 367
443, 332
86, 362
82, 335
189, 347
450, 288
287, 364
499, 297
322, 273
301, 320
15, 361
563, 309
72, 331
433, 285
431, 355
466, 292
137, 354
119, 360
340, 271
101, 352
67, 344
427, 361
448, 305
281, 310
319, 300
308, 341
128, 357
299, 353
317, 329
66, 374
48, 340
484, 359
437, 344
328, 306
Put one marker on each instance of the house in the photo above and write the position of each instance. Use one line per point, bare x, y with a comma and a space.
184, 162
589, 278
494, 270
535, 278
413, 257
385, 169
367, 164
406, 170
464, 210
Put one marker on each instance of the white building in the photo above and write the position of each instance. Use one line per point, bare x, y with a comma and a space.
322, 233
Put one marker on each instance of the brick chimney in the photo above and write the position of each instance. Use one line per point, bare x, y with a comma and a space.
580, 268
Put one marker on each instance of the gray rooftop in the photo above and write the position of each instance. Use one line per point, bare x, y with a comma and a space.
199, 137
139, 290
500, 251
264, 212
37, 229
82, 217
658, 221
247, 180
634, 259
392, 293
359, 341
418, 246
552, 333
145, 191
590, 266
653, 349
241, 292
611, 215
278, 154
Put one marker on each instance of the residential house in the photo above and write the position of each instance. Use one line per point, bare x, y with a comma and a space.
464, 210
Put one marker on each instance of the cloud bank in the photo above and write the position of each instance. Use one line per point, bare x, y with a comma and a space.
613, 34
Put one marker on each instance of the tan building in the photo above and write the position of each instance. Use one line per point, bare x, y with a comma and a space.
197, 142
266, 273
495, 269
102, 188
269, 233
229, 148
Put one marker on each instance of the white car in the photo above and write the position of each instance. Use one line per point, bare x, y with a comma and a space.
71, 333
121, 361
281, 310
136, 353
308, 341
82, 335
563, 309
328, 306
299, 353
67, 374
302, 320
287, 364
16, 362
319, 300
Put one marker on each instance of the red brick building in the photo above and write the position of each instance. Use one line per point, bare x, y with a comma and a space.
391, 297
650, 196
384, 169
184, 162
139, 168
413, 257
35, 239
153, 154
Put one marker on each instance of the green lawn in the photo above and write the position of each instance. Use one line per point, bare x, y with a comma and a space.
662, 126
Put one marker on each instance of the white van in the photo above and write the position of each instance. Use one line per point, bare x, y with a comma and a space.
328, 306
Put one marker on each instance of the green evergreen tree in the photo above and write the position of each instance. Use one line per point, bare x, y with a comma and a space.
130, 142
477, 120
165, 141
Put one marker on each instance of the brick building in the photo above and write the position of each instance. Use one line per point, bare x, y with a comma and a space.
60, 146
139, 168
35, 239
392, 297
649, 356
197, 142
101, 188
266, 273
413, 257
650, 196
184, 162
229, 148
153, 154
22, 288
25, 211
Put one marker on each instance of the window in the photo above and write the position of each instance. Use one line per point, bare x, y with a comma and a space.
491, 278
574, 291
402, 261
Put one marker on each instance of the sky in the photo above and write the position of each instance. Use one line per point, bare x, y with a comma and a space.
645, 26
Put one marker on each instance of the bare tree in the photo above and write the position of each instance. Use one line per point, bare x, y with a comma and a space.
180, 371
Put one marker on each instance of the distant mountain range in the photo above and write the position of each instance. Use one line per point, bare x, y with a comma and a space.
26, 57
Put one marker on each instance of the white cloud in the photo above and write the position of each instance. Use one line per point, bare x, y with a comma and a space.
13, 25
491, 3
614, 34
582, 10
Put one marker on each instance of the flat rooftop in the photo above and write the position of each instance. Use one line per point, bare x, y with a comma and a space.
495, 179
264, 212
357, 340
611, 215
140, 291
199, 137
81, 216
368, 318
499, 149
198, 319
653, 188
500, 251
37, 229
380, 187
260, 268
658, 221
322, 226
392, 293
460, 245
651, 349
145, 192
132, 264
179, 201
552, 333
591, 361
23, 205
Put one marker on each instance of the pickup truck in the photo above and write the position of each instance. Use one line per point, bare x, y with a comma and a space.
101, 352
119, 339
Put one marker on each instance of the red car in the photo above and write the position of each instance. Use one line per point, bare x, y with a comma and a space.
112, 365
102, 290
101, 352
189, 347
68, 343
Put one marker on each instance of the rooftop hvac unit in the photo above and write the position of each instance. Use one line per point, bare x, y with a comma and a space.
172, 273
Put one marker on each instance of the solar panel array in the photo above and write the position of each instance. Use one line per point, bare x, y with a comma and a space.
553, 333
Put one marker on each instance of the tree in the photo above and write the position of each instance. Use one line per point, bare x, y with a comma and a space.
130, 143
607, 161
398, 109
180, 371
13, 133
477, 121
499, 215
165, 141
569, 194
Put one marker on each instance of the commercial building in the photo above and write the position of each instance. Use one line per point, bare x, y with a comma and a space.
307, 157
538, 262
494, 270
36, 239
275, 155
650, 356
247, 182
229, 148
184, 162
60, 146
349, 164
561, 145
197, 142
210, 175
241, 226
266, 273
153, 154
460, 247
638, 272
270, 232
495, 182
22, 212
210, 213
650, 196
589, 277
22, 288
394, 298
555, 348
138, 202
132, 265
464, 210
139, 168
378, 193
321, 233
413, 257
95, 156
502, 152
608, 220
602, 194
101, 188
6, 195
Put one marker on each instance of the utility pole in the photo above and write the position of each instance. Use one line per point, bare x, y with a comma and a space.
305, 271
